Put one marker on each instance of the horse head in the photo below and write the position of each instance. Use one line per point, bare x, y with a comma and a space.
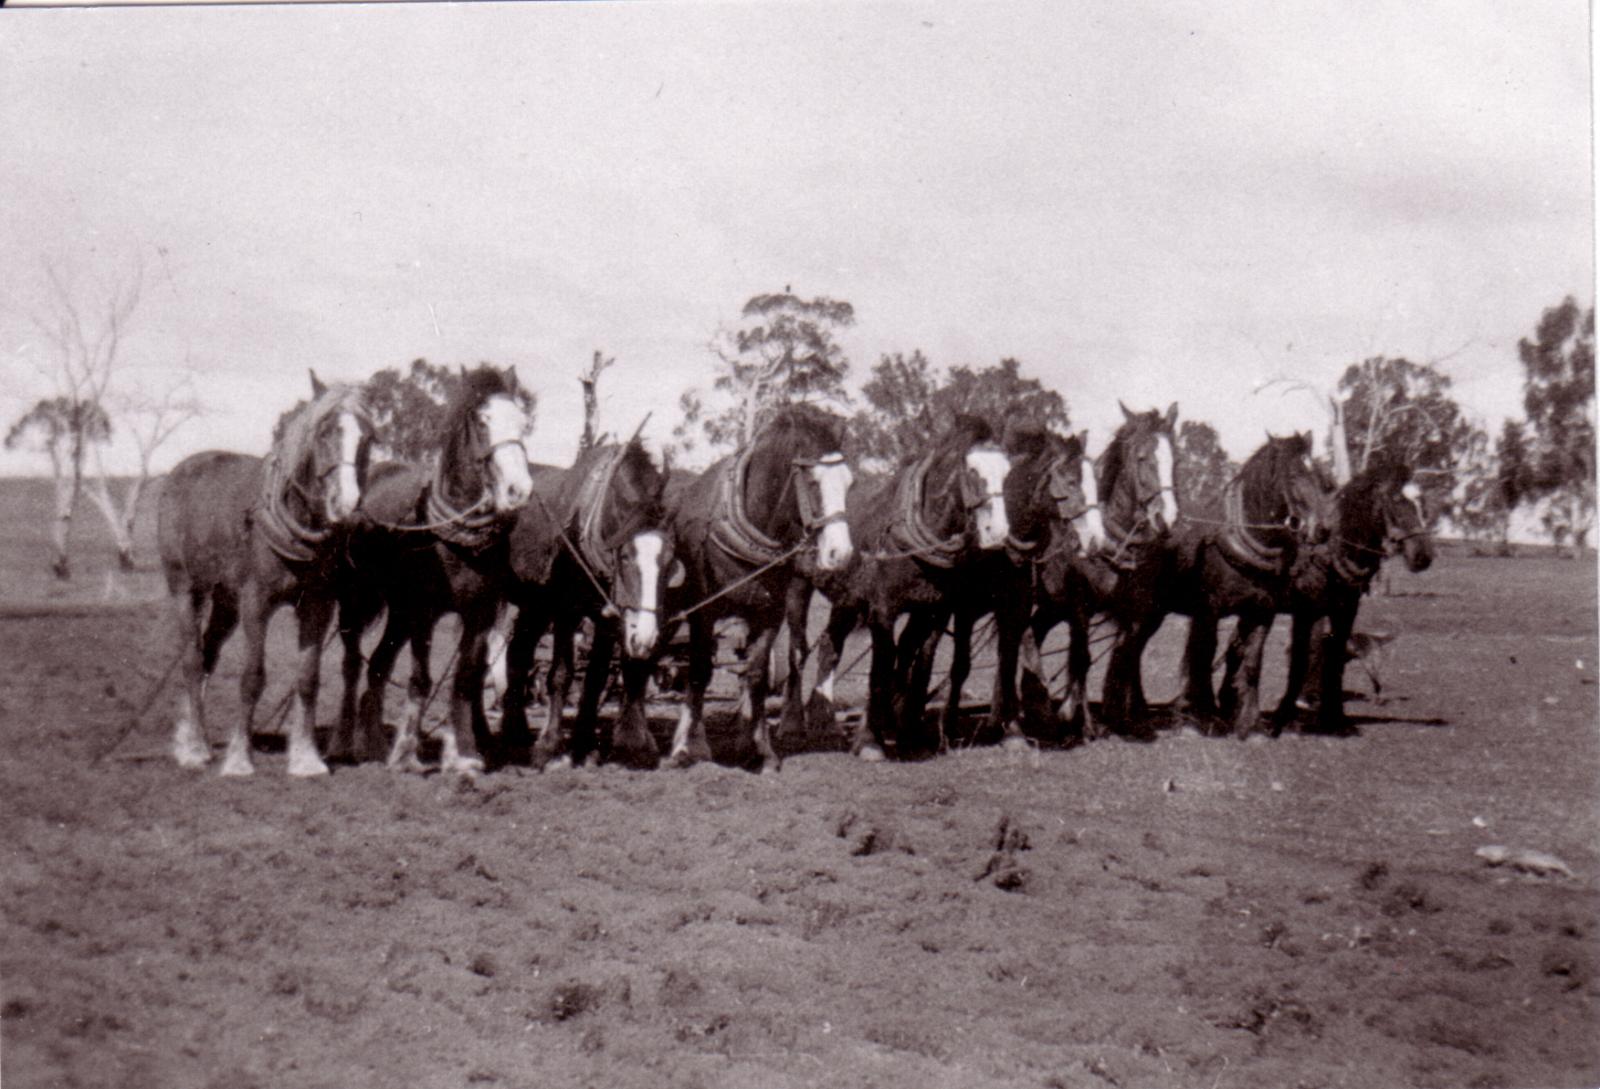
482, 431
1136, 472
800, 445
630, 515
1281, 493
964, 489
328, 447
1051, 490
1380, 514
1406, 527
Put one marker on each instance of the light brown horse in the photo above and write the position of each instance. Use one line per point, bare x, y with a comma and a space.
239, 536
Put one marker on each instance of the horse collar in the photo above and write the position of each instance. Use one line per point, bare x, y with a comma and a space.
1240, 546
731, 527
591, 505
910, 531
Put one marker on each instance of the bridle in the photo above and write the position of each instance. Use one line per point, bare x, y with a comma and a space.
808, 494
1070, 504
472, 527
293, 538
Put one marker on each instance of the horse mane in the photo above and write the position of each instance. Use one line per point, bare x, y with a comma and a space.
637, 464
804, 416
299, 428
967, 430
477, 386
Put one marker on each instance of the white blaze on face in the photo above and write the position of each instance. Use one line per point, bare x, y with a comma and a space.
504, 423
1413, 493
1091, 530
639, 629
991, 467
1169, 494
833, 477
345, 494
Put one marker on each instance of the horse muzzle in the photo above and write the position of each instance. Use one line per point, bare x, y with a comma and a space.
834, 549
993, 526
640, 632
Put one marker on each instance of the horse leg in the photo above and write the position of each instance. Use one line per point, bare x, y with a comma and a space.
1075, 700
518, 665
821, 716
314, 614
756, 684
689, 744
418, 632
917, 648
1124, 696
589, 744
1199, 650
1330, 712
198, 655
467, 738
956, 681
551, 748
369, 708
633, 739
796, 606
352, 624
1243, 683
867, 742
1010, 625
254, 613
1299, 659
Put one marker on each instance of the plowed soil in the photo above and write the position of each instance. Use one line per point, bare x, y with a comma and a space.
1187, 912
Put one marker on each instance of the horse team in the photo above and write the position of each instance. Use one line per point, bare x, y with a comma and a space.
1023, 526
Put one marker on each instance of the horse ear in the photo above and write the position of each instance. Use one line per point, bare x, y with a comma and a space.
1126, 415
317, 388
1309, 444
1172, 415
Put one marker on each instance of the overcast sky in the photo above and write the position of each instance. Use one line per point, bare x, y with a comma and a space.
1151, 202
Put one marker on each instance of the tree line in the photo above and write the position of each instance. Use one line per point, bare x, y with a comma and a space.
785, 348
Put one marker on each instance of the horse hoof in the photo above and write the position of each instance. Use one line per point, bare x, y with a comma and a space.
192, 758
870, 754
307, 767
408, 765
563, 762
237, 767
468, 767
1016, 743
680, 758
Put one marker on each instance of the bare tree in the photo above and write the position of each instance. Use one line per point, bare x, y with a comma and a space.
83, 327
150, 420
590, 380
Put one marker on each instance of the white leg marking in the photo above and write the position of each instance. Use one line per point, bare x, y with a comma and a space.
189, 749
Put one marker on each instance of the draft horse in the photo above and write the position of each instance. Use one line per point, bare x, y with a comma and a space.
750, 530
1377, 514
1239, 562
1053, 510
923, 533
432, 543
591, 544
1124, 578
240, 536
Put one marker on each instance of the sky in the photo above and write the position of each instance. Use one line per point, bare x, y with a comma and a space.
1140, 202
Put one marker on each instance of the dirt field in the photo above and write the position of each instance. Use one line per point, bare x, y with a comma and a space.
1188, 913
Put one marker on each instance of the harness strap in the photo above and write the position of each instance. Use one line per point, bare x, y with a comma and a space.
290, 538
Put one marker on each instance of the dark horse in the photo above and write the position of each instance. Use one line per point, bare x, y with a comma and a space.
1125, 578
590, 544
245, 535
1238, 562
924, 532
1054, 515
430, 544
1374, 515
749, 530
